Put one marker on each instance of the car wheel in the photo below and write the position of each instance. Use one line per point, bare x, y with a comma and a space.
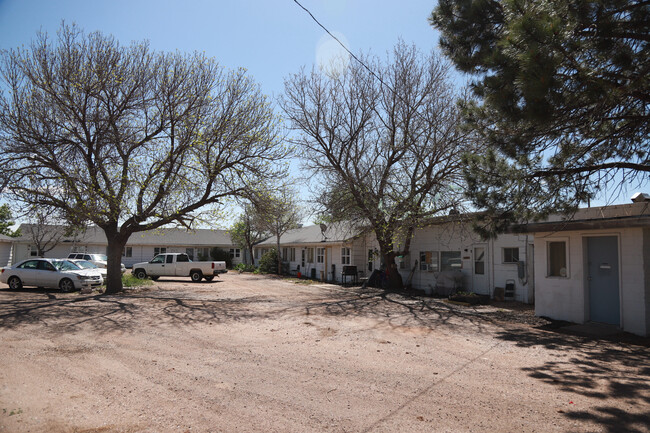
140, 273
15, 283
155, 278
66, 285
196, 276
210, 278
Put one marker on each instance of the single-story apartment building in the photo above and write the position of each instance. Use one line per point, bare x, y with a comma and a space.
319, 251
595, 266
140, 247
450, 245
445, 244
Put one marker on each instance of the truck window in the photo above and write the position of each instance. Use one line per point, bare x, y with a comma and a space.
170, 259
182, 258
158, 259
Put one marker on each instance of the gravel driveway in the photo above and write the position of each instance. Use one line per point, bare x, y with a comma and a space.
253, 353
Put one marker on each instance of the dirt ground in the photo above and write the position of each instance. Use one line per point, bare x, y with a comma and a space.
259, 354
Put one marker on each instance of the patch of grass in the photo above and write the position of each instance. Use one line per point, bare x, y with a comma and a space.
129, 280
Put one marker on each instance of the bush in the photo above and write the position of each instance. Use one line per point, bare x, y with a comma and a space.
269, 262
219, 255
243, 267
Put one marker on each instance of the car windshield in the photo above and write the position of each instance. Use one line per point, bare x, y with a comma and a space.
85, 264
101, 257
65, 265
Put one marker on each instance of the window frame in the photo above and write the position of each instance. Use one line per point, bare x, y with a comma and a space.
320, 255
504, 255
346, 255
446, 266
549, 264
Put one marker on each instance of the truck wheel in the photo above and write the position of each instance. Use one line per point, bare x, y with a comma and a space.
196, 276
210, 278
140, 274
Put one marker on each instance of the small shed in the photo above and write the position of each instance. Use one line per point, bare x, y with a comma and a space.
595, 266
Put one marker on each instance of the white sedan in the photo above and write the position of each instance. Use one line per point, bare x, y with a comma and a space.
51, 273
85, 264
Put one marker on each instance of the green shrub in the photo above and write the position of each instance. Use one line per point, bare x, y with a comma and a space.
269, 262
219, 255
243, 267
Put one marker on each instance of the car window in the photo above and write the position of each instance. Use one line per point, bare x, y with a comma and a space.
101, 257
66, 265
46, 266
86, 264
170, 259
158, 259
31, 264
182, 258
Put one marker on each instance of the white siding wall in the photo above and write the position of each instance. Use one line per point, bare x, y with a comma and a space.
5, 254
567, 298
460, 237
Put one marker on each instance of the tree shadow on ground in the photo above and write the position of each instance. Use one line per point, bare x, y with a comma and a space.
609, 371
153, 306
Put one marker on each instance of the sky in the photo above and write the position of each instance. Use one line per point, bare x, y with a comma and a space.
270, 38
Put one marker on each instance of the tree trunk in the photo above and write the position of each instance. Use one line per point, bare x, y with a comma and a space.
279, 256
393, 277
114, 250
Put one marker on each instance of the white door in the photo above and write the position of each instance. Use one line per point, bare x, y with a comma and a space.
480, 270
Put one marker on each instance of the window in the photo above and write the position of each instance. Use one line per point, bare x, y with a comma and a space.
182, 258
450, 261
159, 250
510, 255
479, 260
285, 254
190, 253
345, 256
203, 253
235, 253
257, 253
33, 251
158, 259
371, 264
169, 259
127, 252
557, 266
32, 264
320, 255
310, 255
293, 254
429, 261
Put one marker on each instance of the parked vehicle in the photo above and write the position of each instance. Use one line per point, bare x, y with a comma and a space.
85, 264
99, 260
51, 273
178, 265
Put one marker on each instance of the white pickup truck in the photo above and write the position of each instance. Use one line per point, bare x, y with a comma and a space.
178, 265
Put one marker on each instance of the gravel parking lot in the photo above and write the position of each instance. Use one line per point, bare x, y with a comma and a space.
253, 353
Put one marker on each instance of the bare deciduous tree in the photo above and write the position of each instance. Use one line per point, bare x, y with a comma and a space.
277, 212
128, 138
384, 146
245, 233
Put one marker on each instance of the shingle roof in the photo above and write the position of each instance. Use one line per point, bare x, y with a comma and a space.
334, 233
624, 215
163, 236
